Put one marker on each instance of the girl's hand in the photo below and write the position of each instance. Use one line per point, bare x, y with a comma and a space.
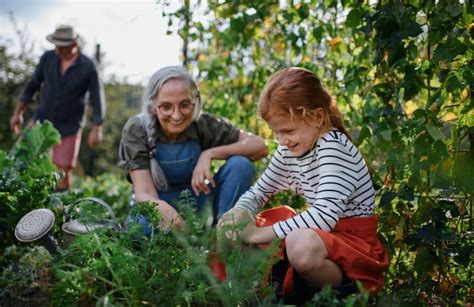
235, 216
257, 235
231, 219
202, 177
171, 218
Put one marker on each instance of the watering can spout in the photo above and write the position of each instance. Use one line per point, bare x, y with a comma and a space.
73, 227
35, 226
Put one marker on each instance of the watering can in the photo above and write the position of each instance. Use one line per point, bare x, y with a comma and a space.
36, 225
71, 228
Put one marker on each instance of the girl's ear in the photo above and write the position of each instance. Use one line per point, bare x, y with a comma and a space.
318, 117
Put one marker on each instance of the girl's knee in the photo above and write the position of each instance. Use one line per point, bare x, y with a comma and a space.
305, 249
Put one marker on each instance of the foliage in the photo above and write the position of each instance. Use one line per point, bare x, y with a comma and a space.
109, 187
105, 267
27, 177
401, 72
26, 279
118, 268
15, 70
123, 101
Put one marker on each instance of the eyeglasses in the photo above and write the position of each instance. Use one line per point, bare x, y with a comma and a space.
167, 109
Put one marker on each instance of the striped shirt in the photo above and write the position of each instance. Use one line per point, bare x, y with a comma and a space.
333, 178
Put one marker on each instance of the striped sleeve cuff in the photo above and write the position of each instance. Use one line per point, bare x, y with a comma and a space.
277, 229
248, 202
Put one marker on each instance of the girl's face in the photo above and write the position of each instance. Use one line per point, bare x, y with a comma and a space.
298, 136
174, 107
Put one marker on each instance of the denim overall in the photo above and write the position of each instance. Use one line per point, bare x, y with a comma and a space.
177, 160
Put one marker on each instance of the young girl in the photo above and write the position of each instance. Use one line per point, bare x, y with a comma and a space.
333, 241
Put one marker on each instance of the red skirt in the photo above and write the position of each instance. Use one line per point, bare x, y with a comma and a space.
352, 244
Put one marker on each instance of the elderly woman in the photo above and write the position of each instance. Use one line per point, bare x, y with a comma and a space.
169, 147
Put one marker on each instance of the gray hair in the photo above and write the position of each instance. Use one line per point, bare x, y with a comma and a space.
150, 120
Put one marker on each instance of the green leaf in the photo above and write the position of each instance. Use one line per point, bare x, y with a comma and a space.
424, 261
464, 256
453, 81
441, 150
318, 33
413, 29
396, 55
365, 132
384, 91
4, 160
420, 116
408, 193
438, 216
454, 9
463, 169
386, 135
449, 50
37, 141
412, 50
435, 132
353, 18
387, 198
426, 233
303, 11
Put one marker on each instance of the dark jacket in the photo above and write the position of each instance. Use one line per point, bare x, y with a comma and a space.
63, 98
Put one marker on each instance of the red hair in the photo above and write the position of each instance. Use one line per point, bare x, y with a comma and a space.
294, 91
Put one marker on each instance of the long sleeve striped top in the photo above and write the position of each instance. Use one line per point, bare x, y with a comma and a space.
333, 178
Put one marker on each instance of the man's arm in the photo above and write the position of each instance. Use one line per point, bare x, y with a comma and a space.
16, 121
95, 136
26, 96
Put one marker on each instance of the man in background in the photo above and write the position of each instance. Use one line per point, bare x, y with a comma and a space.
67, 79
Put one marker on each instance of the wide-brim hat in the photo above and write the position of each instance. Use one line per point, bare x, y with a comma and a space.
63, 36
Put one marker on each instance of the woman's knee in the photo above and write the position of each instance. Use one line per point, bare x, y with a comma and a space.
305, 249
240, 165
142, 222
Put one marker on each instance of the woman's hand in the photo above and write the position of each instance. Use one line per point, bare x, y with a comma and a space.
202, 176
145, 191
169, 215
